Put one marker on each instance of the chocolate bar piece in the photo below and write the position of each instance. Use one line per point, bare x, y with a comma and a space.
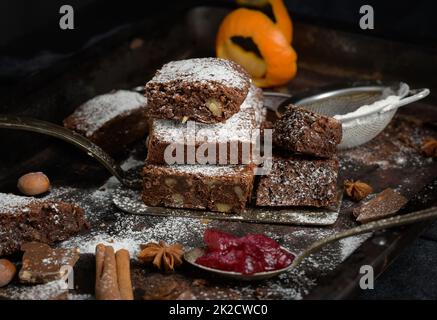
238, 131
207, 90
217, 188
42, 264
385, 204
299, 181
24, 219
306, 132
113, 121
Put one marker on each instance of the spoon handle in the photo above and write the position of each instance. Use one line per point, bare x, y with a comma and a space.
396, 221
44, 127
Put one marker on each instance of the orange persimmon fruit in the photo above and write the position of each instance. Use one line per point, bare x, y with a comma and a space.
277, 64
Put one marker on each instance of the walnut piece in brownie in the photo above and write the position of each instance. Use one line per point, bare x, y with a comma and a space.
113, 121
24, 219
236, 131
207, 90
217, 188
299, 181
42, 264
385, 204
306, 132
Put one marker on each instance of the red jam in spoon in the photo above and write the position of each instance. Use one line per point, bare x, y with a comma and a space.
250, 254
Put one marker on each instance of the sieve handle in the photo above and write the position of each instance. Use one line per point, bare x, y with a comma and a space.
413, 95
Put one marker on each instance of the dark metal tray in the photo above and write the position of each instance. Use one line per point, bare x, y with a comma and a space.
388, 161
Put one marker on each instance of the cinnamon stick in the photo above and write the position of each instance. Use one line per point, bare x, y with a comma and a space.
106, 274
123, 274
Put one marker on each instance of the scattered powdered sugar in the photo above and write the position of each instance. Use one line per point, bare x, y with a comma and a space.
93, 114
349, 245
129, 233
395, 147
218, 70
80, 296
10, 203
239, 127
47, 291
130, 163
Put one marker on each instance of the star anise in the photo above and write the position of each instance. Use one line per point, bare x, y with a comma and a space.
164, 257
429, 147
357, 190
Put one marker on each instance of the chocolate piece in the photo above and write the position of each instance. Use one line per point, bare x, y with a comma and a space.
385, 204
207, 90
42, 264
217, 188
24, 219
236, 131
306, 132
113, 121
299, 181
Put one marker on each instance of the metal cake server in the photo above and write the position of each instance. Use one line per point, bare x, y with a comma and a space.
427, 214
130, 201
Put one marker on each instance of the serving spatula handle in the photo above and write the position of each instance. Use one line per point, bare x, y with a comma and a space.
47, 128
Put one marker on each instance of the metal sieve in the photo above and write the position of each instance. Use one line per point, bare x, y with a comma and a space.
358, 128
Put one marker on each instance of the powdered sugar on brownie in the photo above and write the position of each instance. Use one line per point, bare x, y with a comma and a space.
299, 181
206, 70
206, 170
93, 114
239, 127
10, 203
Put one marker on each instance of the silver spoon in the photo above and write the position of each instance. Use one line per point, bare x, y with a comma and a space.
427, 214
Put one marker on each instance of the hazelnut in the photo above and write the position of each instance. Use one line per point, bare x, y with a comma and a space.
34, 183
178, 198
215, 107
170, 182
211, 184
239, 192
7, 272
223, 207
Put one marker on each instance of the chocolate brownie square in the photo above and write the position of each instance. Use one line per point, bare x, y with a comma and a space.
24, 219
299, 181
306, 132
207, 90
217, 188
238, 131
113, 121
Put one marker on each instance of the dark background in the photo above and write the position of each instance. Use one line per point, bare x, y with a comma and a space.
30, 37
31, 41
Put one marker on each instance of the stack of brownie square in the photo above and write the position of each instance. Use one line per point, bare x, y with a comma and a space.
305, 165
216, 96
